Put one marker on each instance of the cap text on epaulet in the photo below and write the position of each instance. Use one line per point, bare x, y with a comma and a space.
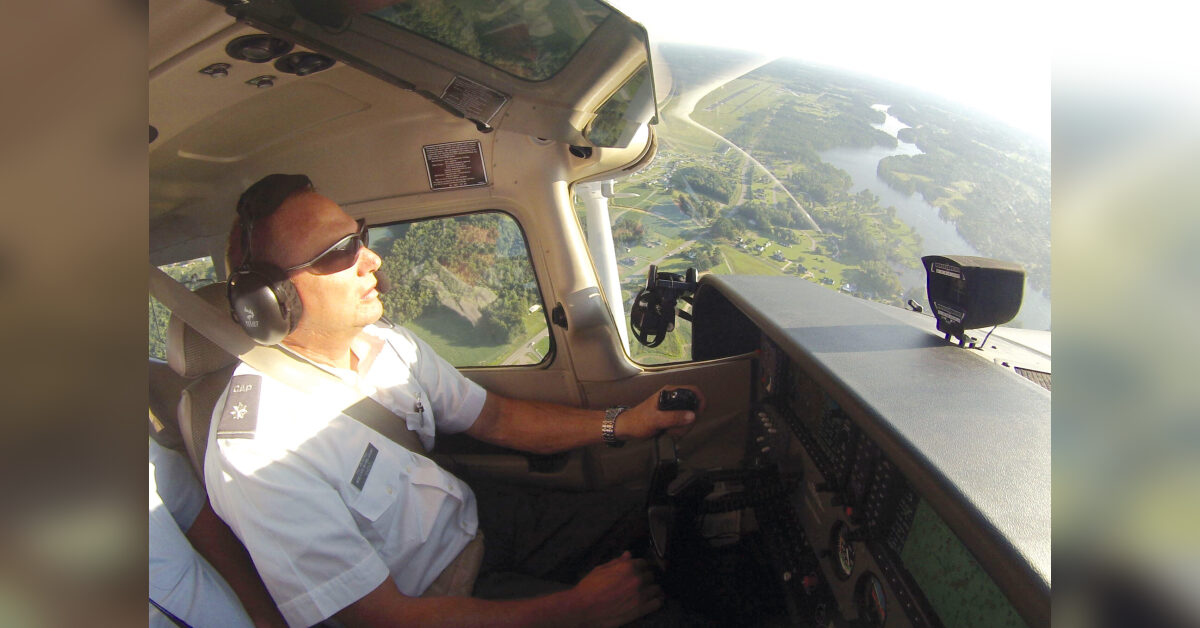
239, 418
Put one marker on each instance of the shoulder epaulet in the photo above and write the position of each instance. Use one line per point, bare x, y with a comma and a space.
239, 417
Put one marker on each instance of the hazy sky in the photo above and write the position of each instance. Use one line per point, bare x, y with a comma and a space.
992, 56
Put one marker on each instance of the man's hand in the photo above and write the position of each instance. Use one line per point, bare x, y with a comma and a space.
617, 592
612, 594
645, 420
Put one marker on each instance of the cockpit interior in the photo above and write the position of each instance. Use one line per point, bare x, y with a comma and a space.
853, 466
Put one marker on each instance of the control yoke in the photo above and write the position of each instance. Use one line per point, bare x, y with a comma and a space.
653, 312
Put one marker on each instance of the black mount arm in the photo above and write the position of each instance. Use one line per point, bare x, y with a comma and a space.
653, 312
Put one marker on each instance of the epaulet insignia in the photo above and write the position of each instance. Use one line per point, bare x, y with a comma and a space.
239, 418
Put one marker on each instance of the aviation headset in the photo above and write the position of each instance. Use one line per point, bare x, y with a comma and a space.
261, 297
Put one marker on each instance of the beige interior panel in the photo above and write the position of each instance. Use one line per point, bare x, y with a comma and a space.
717, 439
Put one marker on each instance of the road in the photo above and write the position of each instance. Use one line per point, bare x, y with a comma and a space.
518, 356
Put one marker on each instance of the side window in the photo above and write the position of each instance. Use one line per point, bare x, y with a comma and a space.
194, 274
466, 286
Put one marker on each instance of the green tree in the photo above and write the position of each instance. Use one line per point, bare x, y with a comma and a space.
712, 183
628, 231
705, 256
684, 204
503, 320
876, 278
726, 227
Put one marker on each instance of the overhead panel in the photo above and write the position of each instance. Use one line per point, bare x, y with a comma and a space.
536, 67
233, 134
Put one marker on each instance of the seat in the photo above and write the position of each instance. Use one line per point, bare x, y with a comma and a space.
209, 368
166, 387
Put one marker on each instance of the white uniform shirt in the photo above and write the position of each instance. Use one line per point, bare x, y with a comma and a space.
181, 581
327, 506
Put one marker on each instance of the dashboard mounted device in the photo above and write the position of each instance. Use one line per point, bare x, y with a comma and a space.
653, 312
971, 292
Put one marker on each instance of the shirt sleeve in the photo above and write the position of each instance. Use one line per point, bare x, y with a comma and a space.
457, 401
303, 539
176, 484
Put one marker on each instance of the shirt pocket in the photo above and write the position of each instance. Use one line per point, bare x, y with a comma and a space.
415, 409
403, 499
430, 493
380, 489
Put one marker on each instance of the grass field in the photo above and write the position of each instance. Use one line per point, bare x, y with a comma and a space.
461, 344
686, 137
721, 109
676, 346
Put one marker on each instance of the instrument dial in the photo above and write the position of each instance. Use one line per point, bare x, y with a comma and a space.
843, 550
871, 600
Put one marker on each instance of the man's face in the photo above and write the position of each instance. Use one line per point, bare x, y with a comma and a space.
303, 227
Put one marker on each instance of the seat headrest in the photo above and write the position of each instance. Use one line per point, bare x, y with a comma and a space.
189, 353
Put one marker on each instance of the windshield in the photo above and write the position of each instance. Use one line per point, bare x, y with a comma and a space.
813, 144
530, 39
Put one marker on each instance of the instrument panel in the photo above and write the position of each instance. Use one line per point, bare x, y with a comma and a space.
875, 549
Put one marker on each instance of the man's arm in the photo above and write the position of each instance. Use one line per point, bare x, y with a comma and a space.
612, 594
546, 428
216, 543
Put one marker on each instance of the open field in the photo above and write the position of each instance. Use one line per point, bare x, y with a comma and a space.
455, 339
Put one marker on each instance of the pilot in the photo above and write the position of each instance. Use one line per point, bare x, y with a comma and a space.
344, 523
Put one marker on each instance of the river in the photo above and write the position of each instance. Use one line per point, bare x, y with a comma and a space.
938, 236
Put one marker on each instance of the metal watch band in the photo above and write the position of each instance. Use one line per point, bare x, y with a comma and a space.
608, 429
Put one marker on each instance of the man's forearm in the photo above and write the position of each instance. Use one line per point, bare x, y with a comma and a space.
547, 428
612, 594
386, 606
536, 426
217, 544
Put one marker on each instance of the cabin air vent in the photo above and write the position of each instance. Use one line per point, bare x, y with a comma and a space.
216, 70
262, 82
257, 48
1041, 378
303, 63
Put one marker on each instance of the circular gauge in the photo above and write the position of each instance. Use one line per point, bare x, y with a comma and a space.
871, 600
843, 550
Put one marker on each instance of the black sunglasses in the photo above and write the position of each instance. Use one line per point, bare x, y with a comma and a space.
338, 257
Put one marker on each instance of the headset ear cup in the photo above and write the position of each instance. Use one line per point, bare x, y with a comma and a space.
289, 300
264, 302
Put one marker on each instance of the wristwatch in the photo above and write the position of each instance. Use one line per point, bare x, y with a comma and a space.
608, 429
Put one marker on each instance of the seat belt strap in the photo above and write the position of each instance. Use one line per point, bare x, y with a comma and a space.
374, 415
280, 365
169, 615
